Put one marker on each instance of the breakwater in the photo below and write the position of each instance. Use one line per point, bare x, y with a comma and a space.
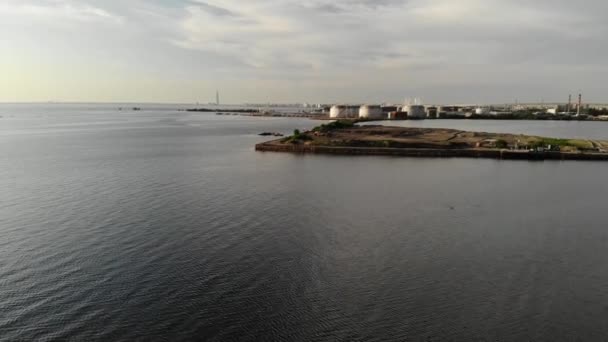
223, 110
257, 112
276, 146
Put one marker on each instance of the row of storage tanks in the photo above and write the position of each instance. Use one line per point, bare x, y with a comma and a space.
352, 112
374, 112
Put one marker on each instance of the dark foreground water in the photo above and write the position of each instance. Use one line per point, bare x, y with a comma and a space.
165, 225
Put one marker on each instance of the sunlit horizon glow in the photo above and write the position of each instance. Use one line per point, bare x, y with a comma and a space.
318, 51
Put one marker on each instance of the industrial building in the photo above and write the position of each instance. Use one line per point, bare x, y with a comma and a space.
450, 112
397, 115
482, 111
344, 112
431, 112
414, 112
371, 112
387, 109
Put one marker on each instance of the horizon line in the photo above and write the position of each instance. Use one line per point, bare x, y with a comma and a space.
279, 103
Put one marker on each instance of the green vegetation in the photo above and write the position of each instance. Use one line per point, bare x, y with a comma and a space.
545, 142
581, 144
501, 143
297, 137
340, 124
596, 112
382, 143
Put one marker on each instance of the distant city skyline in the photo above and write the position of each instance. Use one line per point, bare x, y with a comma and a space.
295, 51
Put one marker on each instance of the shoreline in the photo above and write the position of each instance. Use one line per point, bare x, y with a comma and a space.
275, 146
257, 112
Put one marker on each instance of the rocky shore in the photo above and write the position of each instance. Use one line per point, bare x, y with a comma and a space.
431, 153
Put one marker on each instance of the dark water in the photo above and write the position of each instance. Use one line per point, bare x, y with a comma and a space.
165, 225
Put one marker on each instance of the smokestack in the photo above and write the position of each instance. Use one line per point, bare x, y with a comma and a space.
569, 103
580, 103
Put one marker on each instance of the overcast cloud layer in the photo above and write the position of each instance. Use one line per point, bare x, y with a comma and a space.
474, 51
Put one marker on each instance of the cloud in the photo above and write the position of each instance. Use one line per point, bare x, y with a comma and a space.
213, 10
399, 46
56, 10
362, 33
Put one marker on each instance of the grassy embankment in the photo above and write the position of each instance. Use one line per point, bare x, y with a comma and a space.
345, 133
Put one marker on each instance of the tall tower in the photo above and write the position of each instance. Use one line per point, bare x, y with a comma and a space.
580, 103
217, 97
569, 104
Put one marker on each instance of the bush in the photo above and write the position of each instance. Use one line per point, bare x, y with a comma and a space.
501, 143
340, 124
544, 142
296, 137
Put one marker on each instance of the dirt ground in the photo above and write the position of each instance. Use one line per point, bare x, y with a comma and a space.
382, 136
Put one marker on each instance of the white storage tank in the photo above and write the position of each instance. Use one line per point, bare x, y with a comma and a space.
337, 112
481, 111
343, 112
415, 112
370, 112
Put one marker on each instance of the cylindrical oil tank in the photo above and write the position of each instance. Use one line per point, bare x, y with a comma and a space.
353, 112
415, 112
370, 112
481, 111
343, 112
337, 112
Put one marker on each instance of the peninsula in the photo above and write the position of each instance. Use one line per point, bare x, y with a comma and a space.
345, 137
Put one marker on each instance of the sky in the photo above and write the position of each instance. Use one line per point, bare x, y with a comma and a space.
294, 51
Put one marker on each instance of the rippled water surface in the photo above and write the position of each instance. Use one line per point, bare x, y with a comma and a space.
159, 224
